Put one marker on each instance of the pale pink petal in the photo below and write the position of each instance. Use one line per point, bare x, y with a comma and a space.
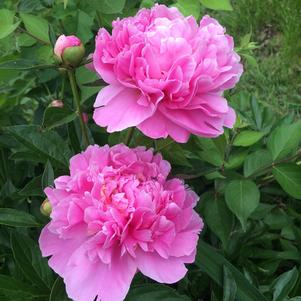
106, 94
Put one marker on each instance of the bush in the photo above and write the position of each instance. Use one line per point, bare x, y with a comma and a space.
248, 179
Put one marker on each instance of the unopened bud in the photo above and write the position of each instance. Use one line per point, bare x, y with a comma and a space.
69, 50
85, 117
46, 208
57, 103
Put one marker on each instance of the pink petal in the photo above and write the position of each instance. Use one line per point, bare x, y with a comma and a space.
195, 121
107, 281
161, 270
106, 94
158, 126
184, 244
122, 111
230, 118
60, 249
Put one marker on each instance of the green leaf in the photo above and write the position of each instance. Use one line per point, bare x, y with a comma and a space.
147, 3
217, 4
29, 259
84, 25
256, 161
151, 292
247, 138
236, 159
284, 139
54, 117
58, 291
11, 285
23, 64
230, 287
242, 198
218, 217
288, 175
7, 23
17, 218
210, 151
283, 285
48, 175
32, 188
189, 8
47, 145
111, 7
212, 263
37, 26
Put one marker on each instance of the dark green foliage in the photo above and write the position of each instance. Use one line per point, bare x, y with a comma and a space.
249, 179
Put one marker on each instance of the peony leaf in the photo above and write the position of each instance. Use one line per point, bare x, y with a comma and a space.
283, 285
14, 287
16, 218
54, 117
284, 140
288, 175
36, 26
7, 23
29, 259
247, 138
217, 4
212, 263
229, 285
58, 291
218, 217
151, 292
48, 175
189, 8
242, 198
256, 161
47, 145
110, 7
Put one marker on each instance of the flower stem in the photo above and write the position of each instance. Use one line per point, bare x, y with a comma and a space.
77, 105
129, 136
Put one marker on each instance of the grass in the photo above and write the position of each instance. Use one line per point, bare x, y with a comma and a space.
275, 26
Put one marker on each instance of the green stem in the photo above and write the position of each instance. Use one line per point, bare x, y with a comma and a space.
77, 105
63, 88
129, 136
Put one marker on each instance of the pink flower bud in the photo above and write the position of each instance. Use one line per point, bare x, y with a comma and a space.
69, 49
85, 117
57, 103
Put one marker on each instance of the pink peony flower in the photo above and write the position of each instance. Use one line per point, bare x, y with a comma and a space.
64, 42
166, 75
117, 214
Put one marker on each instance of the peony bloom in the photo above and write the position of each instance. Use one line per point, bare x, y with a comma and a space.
166, 75
69, 49
117, 214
